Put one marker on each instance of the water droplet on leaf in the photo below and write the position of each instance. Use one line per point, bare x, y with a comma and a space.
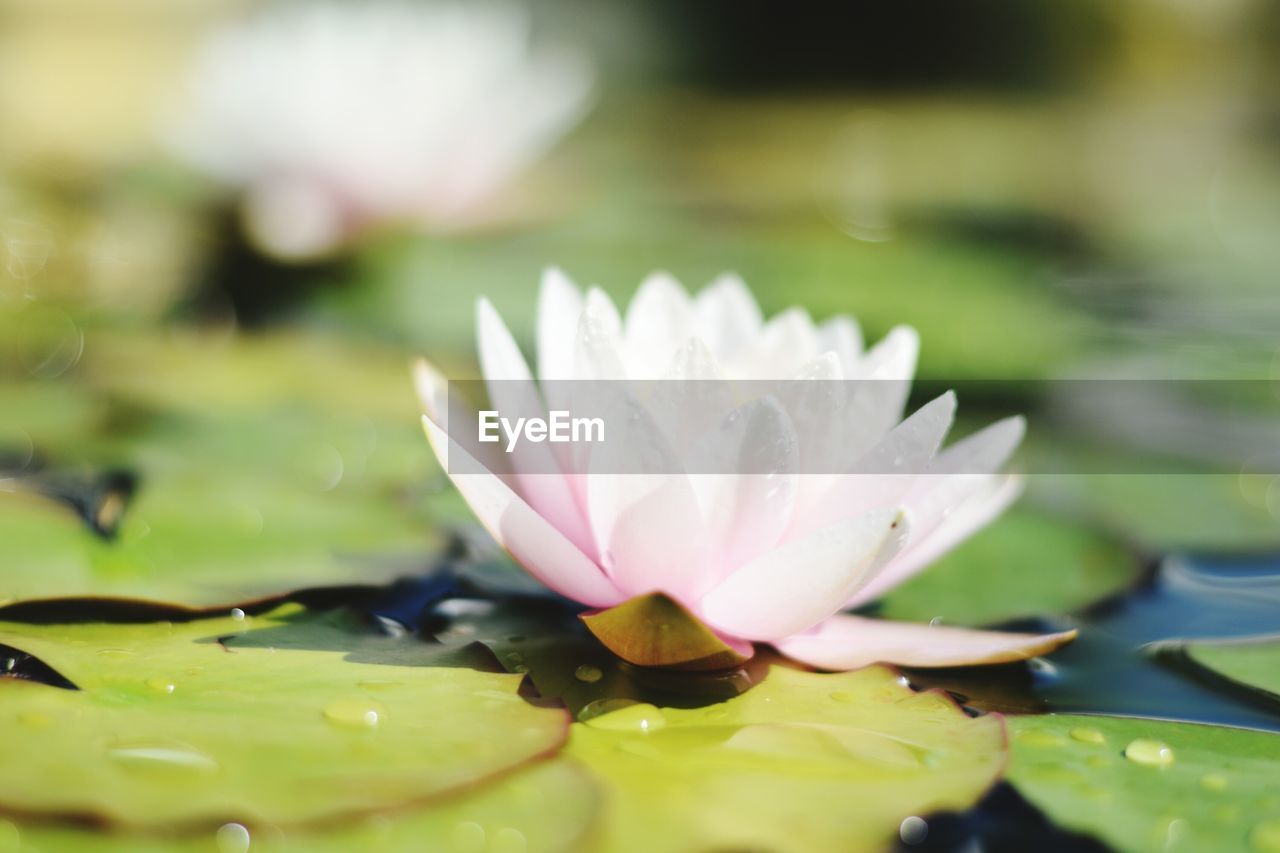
913, 830
588, 673
1152, 753
1087, 735
1213, 782
1040, 737
161, 685
355, 712
233, 838
161, 756
508, 840
641, 717
468, 837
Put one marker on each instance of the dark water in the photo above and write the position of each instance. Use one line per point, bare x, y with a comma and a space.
1129, 659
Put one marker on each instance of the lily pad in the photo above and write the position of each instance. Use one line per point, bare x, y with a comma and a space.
546, 808
1149, 785
655, 630
200, 536
801, 762
1027, 563
1255, 663
285, 719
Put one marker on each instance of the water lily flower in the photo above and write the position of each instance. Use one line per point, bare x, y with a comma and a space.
334, 117
690, 570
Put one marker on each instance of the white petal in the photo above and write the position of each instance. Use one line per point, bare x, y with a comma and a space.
994, 497
559, 307
842, 336
984, 452
659, 321
745, 513
526, 535
642, 509
598, 352
799, 584
848, 642
727, 315
500, 357
884, 475
787, 342
894, 357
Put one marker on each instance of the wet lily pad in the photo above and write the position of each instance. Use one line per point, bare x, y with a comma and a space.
284, 719
1027, 563
801, 762
1149, 785
546, 808
1255, 663
204, 537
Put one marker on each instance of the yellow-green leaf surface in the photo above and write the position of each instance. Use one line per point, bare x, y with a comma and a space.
1147, 785
801, 762
265, 463
546, 808
204, 537
1255, 663
282, 720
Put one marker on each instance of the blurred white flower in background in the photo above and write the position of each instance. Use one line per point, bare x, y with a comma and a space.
332, 118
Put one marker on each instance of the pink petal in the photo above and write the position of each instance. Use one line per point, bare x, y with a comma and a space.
974, 514
848, 642
514, 395
797, 585
532, 540
642, 508
745, 514
883, 476
948, 507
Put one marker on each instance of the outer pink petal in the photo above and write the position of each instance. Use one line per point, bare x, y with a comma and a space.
977, 512
794, 587
848, 642
528, 537
514, 395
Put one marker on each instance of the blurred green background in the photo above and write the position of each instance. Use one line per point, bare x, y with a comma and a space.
1042, 189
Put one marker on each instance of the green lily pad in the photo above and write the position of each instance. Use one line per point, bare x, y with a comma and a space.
802, 762
546, 808
201, 537
1183, 786
1027, 563
284, 719
656, 630
1255, 663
